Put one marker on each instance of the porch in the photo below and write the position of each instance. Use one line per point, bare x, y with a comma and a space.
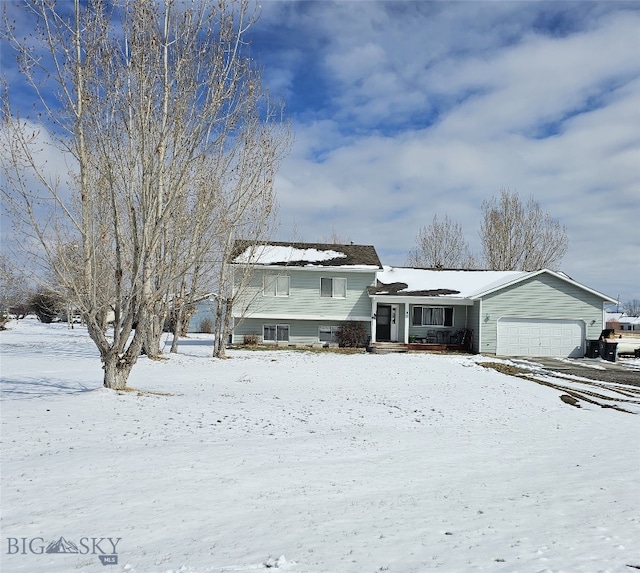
420, 323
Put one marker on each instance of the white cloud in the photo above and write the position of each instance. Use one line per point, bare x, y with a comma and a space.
550, 113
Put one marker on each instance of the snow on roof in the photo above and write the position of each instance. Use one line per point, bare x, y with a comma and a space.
460, 284
306, 255
272, 254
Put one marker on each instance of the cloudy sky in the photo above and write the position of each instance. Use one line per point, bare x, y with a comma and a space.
404, 110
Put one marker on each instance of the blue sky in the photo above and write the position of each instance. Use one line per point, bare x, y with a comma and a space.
406, 110
403, 110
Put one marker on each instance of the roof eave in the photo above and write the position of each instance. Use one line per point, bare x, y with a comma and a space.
312, 267
437, 300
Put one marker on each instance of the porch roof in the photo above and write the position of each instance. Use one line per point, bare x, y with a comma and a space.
401, 282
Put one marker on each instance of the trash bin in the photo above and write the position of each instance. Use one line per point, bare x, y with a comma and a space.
608, 350
593, 349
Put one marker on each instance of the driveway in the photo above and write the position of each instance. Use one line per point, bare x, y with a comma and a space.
624, 371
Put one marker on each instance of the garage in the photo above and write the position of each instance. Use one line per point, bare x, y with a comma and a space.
540, 337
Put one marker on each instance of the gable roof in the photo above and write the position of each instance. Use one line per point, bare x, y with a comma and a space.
560, 275
295, 254
468, 284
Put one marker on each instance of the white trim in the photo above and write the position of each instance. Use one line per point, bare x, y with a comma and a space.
479, 326
421, 300
315, 317
393, 326
344, 268
406, 323
372, 318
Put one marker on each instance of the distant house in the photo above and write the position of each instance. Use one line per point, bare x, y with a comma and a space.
612, 320
300, 293
203, 319
629, 323
620, 322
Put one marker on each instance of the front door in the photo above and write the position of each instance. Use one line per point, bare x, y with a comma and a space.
387, 323
383, 323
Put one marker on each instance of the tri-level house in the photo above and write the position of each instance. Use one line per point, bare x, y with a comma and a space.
300, 293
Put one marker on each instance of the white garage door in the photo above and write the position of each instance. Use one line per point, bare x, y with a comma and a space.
539, 337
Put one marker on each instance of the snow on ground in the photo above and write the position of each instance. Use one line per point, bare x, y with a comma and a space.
305, 462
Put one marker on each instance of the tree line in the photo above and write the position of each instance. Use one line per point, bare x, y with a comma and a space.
515, 236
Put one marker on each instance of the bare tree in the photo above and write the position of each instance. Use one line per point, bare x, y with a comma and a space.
248, 213
14, 291
441, 245
517, 236
153, 103
335, 238
631, 307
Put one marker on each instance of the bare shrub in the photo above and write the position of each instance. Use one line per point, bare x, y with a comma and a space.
206, 326
251, 339
351, 334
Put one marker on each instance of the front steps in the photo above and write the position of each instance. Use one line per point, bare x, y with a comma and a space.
398, 347
388, 347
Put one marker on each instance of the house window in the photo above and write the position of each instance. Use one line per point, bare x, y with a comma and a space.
276, 285
327, 333
275, 332
333, 287
432, 316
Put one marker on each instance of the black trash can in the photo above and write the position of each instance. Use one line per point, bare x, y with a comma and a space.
593, 349
609, 350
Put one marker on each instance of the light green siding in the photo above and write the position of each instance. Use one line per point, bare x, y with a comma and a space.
304, 301
541, 297
474, 325
301, 332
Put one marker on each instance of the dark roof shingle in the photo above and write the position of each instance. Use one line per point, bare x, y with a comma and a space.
354, 255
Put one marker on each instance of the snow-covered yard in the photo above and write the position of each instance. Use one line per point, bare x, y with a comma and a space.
309, 462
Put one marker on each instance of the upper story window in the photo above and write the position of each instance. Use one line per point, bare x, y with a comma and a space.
275, 285
333, 287
432, 316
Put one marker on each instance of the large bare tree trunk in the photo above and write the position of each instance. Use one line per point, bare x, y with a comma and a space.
170, 154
